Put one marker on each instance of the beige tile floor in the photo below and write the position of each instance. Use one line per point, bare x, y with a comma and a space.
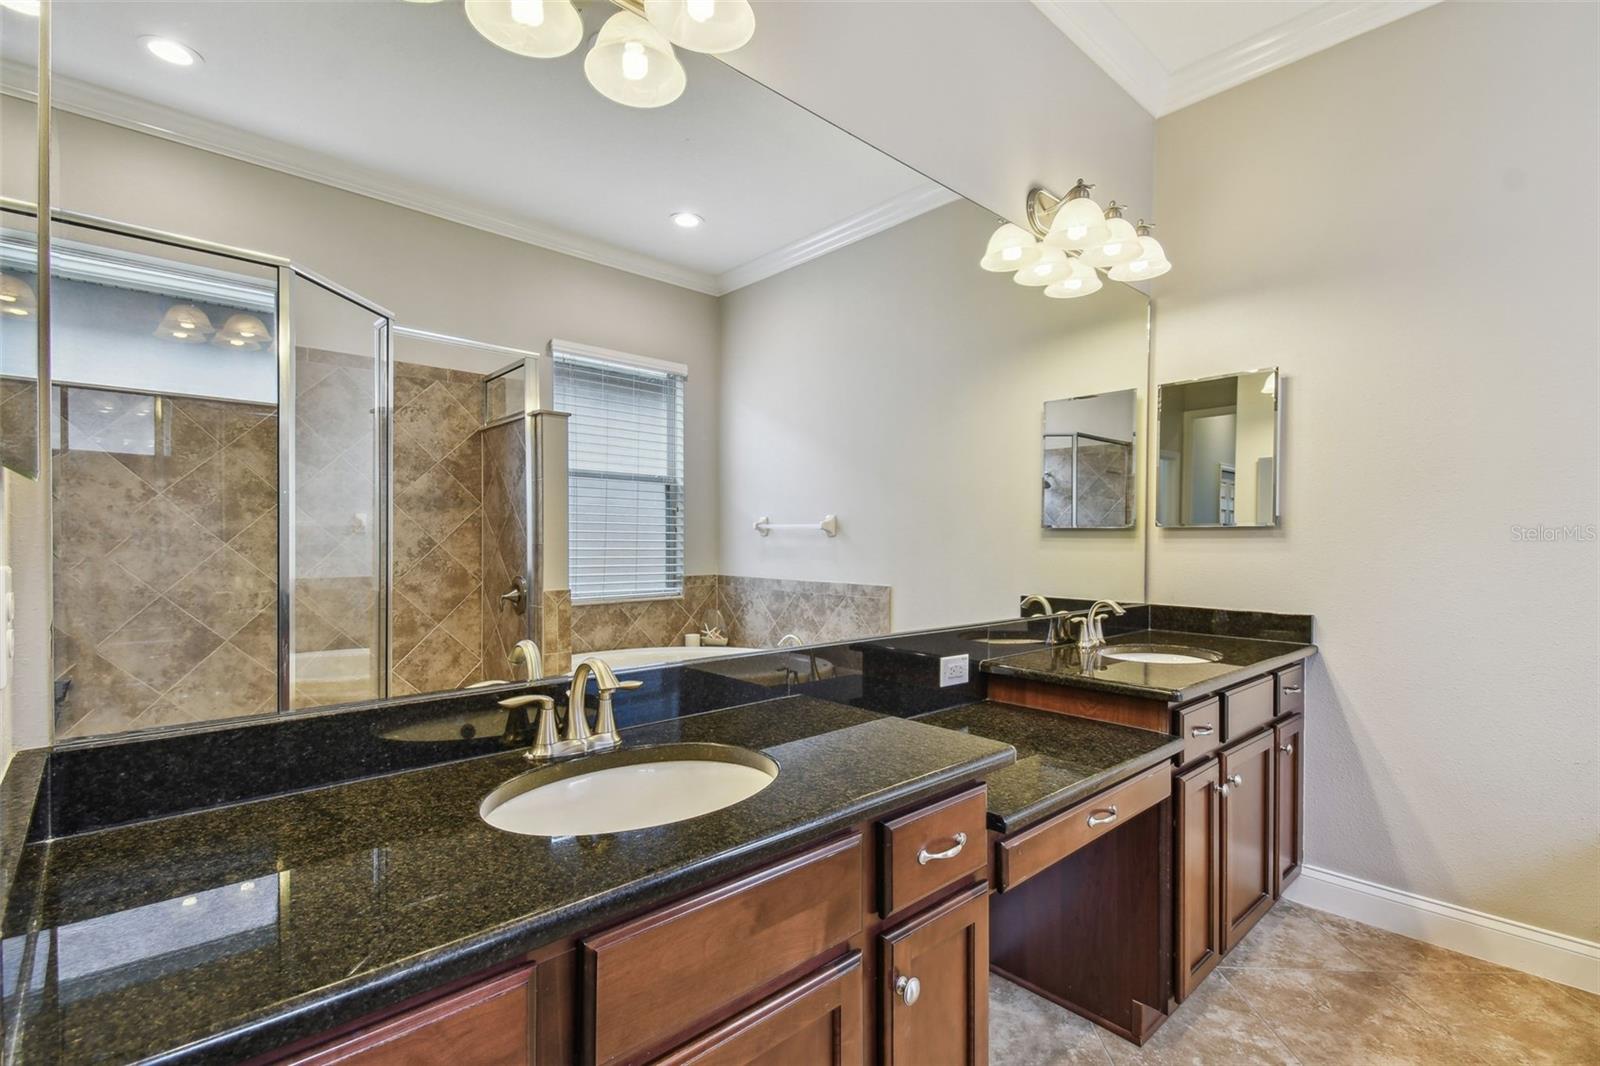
1311, 987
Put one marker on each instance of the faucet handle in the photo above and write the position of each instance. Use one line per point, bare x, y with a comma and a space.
629, 686
513, 702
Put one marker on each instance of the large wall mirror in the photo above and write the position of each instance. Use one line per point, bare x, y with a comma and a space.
1218, 464
20, 447
533, 371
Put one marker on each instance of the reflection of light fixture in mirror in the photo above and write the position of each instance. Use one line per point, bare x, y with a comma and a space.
1010, 248
686, 220
17, 297
186, 323
169, 51
1151, 262
1081, 281
1269, 387
633, 64
542, 29
243, 331
1051, 266
1120, 247
22, 7
703, 25
1078, 222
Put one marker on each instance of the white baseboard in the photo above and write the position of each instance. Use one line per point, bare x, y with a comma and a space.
1555, 956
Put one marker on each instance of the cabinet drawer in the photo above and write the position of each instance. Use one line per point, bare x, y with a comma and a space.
815, 1022
675, 971
1201, 729
1291, 690
1037, 849
1247, 707
934, 847
489, 1024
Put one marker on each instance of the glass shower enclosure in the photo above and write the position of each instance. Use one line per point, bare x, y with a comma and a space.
219, 428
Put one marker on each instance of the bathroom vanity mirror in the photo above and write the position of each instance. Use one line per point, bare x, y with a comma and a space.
519, 394
1091, 461
20, 448
1218, 459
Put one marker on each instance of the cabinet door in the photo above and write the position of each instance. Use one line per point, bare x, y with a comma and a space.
1199, 936
1288, 812
1247, 835
935, 985
815, 1022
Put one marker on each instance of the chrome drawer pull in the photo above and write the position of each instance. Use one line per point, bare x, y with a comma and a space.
1287, 749
1202, 730
1291, 688
924, 857
1104, 816
909, 989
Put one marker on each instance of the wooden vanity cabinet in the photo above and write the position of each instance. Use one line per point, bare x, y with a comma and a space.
1288, 811
935, 985
1197, 857
1247, 837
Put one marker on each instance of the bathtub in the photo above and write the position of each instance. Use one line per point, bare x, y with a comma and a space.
633, 658
774, 666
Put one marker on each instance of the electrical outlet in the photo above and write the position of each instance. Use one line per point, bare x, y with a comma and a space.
953, 670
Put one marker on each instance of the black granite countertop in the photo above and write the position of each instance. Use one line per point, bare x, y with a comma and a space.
226, 933
1060, 759
1242, 658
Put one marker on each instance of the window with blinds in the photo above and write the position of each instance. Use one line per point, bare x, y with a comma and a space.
624, 478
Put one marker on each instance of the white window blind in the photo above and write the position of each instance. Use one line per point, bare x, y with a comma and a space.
624, 478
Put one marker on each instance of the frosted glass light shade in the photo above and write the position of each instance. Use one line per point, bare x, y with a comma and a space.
17, 297
633, 64
703, 25
1010, 248
1151, 262
1081, 281
243, 331
1052, 265
186, 323
1121, 246
1078, 224
542, 29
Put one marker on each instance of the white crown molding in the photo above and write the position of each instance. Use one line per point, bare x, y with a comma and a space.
857, 227
1106, 39
1094, 27
1554, 956
91, 101
1321, 27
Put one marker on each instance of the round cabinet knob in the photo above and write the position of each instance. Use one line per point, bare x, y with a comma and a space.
1287, 749
1236, 780
909, 989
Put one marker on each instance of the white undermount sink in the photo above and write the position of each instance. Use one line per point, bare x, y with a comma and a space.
1165, 654
629, 789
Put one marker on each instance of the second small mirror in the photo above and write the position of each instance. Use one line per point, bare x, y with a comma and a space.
1218, 441
1089, 462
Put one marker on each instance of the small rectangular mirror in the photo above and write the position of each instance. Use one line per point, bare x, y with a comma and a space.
1218, 451
1089, 467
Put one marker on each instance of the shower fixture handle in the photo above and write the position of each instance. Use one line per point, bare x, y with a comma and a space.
516, 596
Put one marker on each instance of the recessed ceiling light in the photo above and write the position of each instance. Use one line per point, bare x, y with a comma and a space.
171, 51
686, 219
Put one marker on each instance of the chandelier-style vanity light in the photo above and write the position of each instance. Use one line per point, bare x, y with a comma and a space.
631, 60
186, 323
1071, 237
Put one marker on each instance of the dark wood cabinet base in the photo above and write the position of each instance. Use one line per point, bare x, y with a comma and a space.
1093, 932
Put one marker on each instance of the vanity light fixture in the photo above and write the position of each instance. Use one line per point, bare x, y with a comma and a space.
170, 51
686, 220
186, 323
1010, 248
17, 297
1070, 238
631, 60
244, 331
1151, 262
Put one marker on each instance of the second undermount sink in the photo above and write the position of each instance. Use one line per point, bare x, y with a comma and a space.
631, 789
1166, 654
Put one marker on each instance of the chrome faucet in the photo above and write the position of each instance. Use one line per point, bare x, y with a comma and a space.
1057, 620
605, 734
526, 655
1090, 633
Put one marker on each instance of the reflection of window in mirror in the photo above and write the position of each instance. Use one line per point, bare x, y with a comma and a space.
624, 473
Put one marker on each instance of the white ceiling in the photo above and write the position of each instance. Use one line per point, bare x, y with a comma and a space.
407, 103
1168, 55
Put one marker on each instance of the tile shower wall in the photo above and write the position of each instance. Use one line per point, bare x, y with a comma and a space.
1104, 487
165, 549
758, 613
438, 530
505, 544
